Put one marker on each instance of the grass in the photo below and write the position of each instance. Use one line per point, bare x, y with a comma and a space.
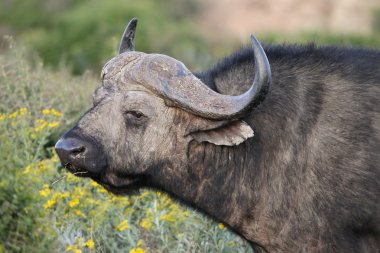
44, 209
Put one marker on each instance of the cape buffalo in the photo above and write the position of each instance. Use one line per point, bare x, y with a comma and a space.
287, 155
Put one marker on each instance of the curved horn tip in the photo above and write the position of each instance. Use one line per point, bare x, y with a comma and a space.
261, 59
128, 39
132, 24
253, 39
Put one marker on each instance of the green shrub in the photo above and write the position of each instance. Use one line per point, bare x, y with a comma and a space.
22, 221
86, 33
27, 123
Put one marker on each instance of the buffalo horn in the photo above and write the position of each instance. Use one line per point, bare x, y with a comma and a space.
193, 95
128, 39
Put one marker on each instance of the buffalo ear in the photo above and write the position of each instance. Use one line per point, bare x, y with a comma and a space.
230, 134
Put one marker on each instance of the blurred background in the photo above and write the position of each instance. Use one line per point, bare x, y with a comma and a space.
51, 54
84, 33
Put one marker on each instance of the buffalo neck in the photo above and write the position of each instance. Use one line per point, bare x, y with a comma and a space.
216, 180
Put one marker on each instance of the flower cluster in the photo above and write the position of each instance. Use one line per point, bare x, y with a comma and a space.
80, 245
18, 120
41, 124
20, 112
15, 114
52, 111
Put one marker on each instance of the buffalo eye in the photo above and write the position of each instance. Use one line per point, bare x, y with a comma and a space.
135, 114
134, 117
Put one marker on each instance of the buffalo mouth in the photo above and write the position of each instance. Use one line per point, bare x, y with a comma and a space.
80, 171
128, 185
77, 171
119, 185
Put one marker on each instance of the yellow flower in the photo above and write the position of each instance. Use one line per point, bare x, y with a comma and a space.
55, 113
45, 191
167, 201
220, 226
94, 184
164, 201
53, 124
27, 169
23, 111
41, 124
74, 202
63, 195
174, 207
102, 190
122, 225
13, 115
69, 248
144, 194
2, 116
89, 243
77, 251
146, 223
42, 165
51, 112
139, 243
49, 204
168, 217
79, 213
45, 111
137, 250
54, 159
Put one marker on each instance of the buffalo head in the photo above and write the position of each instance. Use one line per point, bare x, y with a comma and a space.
145, 114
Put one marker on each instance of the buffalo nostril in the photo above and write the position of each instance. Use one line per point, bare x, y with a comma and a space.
77, 151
